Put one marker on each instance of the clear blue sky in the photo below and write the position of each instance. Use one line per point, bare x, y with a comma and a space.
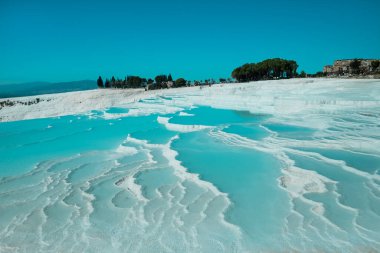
63, 40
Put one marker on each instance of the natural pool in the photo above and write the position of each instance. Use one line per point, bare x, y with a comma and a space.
196, 179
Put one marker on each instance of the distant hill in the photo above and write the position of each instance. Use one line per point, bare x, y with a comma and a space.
39, 88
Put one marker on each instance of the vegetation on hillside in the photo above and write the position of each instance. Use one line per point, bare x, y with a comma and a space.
269, 69
159, 82
355, 66
375, 65
266, 70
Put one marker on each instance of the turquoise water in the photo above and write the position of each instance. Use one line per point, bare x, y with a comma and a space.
208, 180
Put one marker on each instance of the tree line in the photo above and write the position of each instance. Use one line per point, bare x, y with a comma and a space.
357, 69
269, 69
159, 82
276, 68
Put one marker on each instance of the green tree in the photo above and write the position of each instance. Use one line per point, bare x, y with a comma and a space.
107, 84
268, 69
355, 66
180, 82
100, 82
302, 74
113, 81
375, 65
134, 81
161, 81
236, 74
125, 83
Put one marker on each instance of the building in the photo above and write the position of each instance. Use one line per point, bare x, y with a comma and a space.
170, 84
328, 69
350, 67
